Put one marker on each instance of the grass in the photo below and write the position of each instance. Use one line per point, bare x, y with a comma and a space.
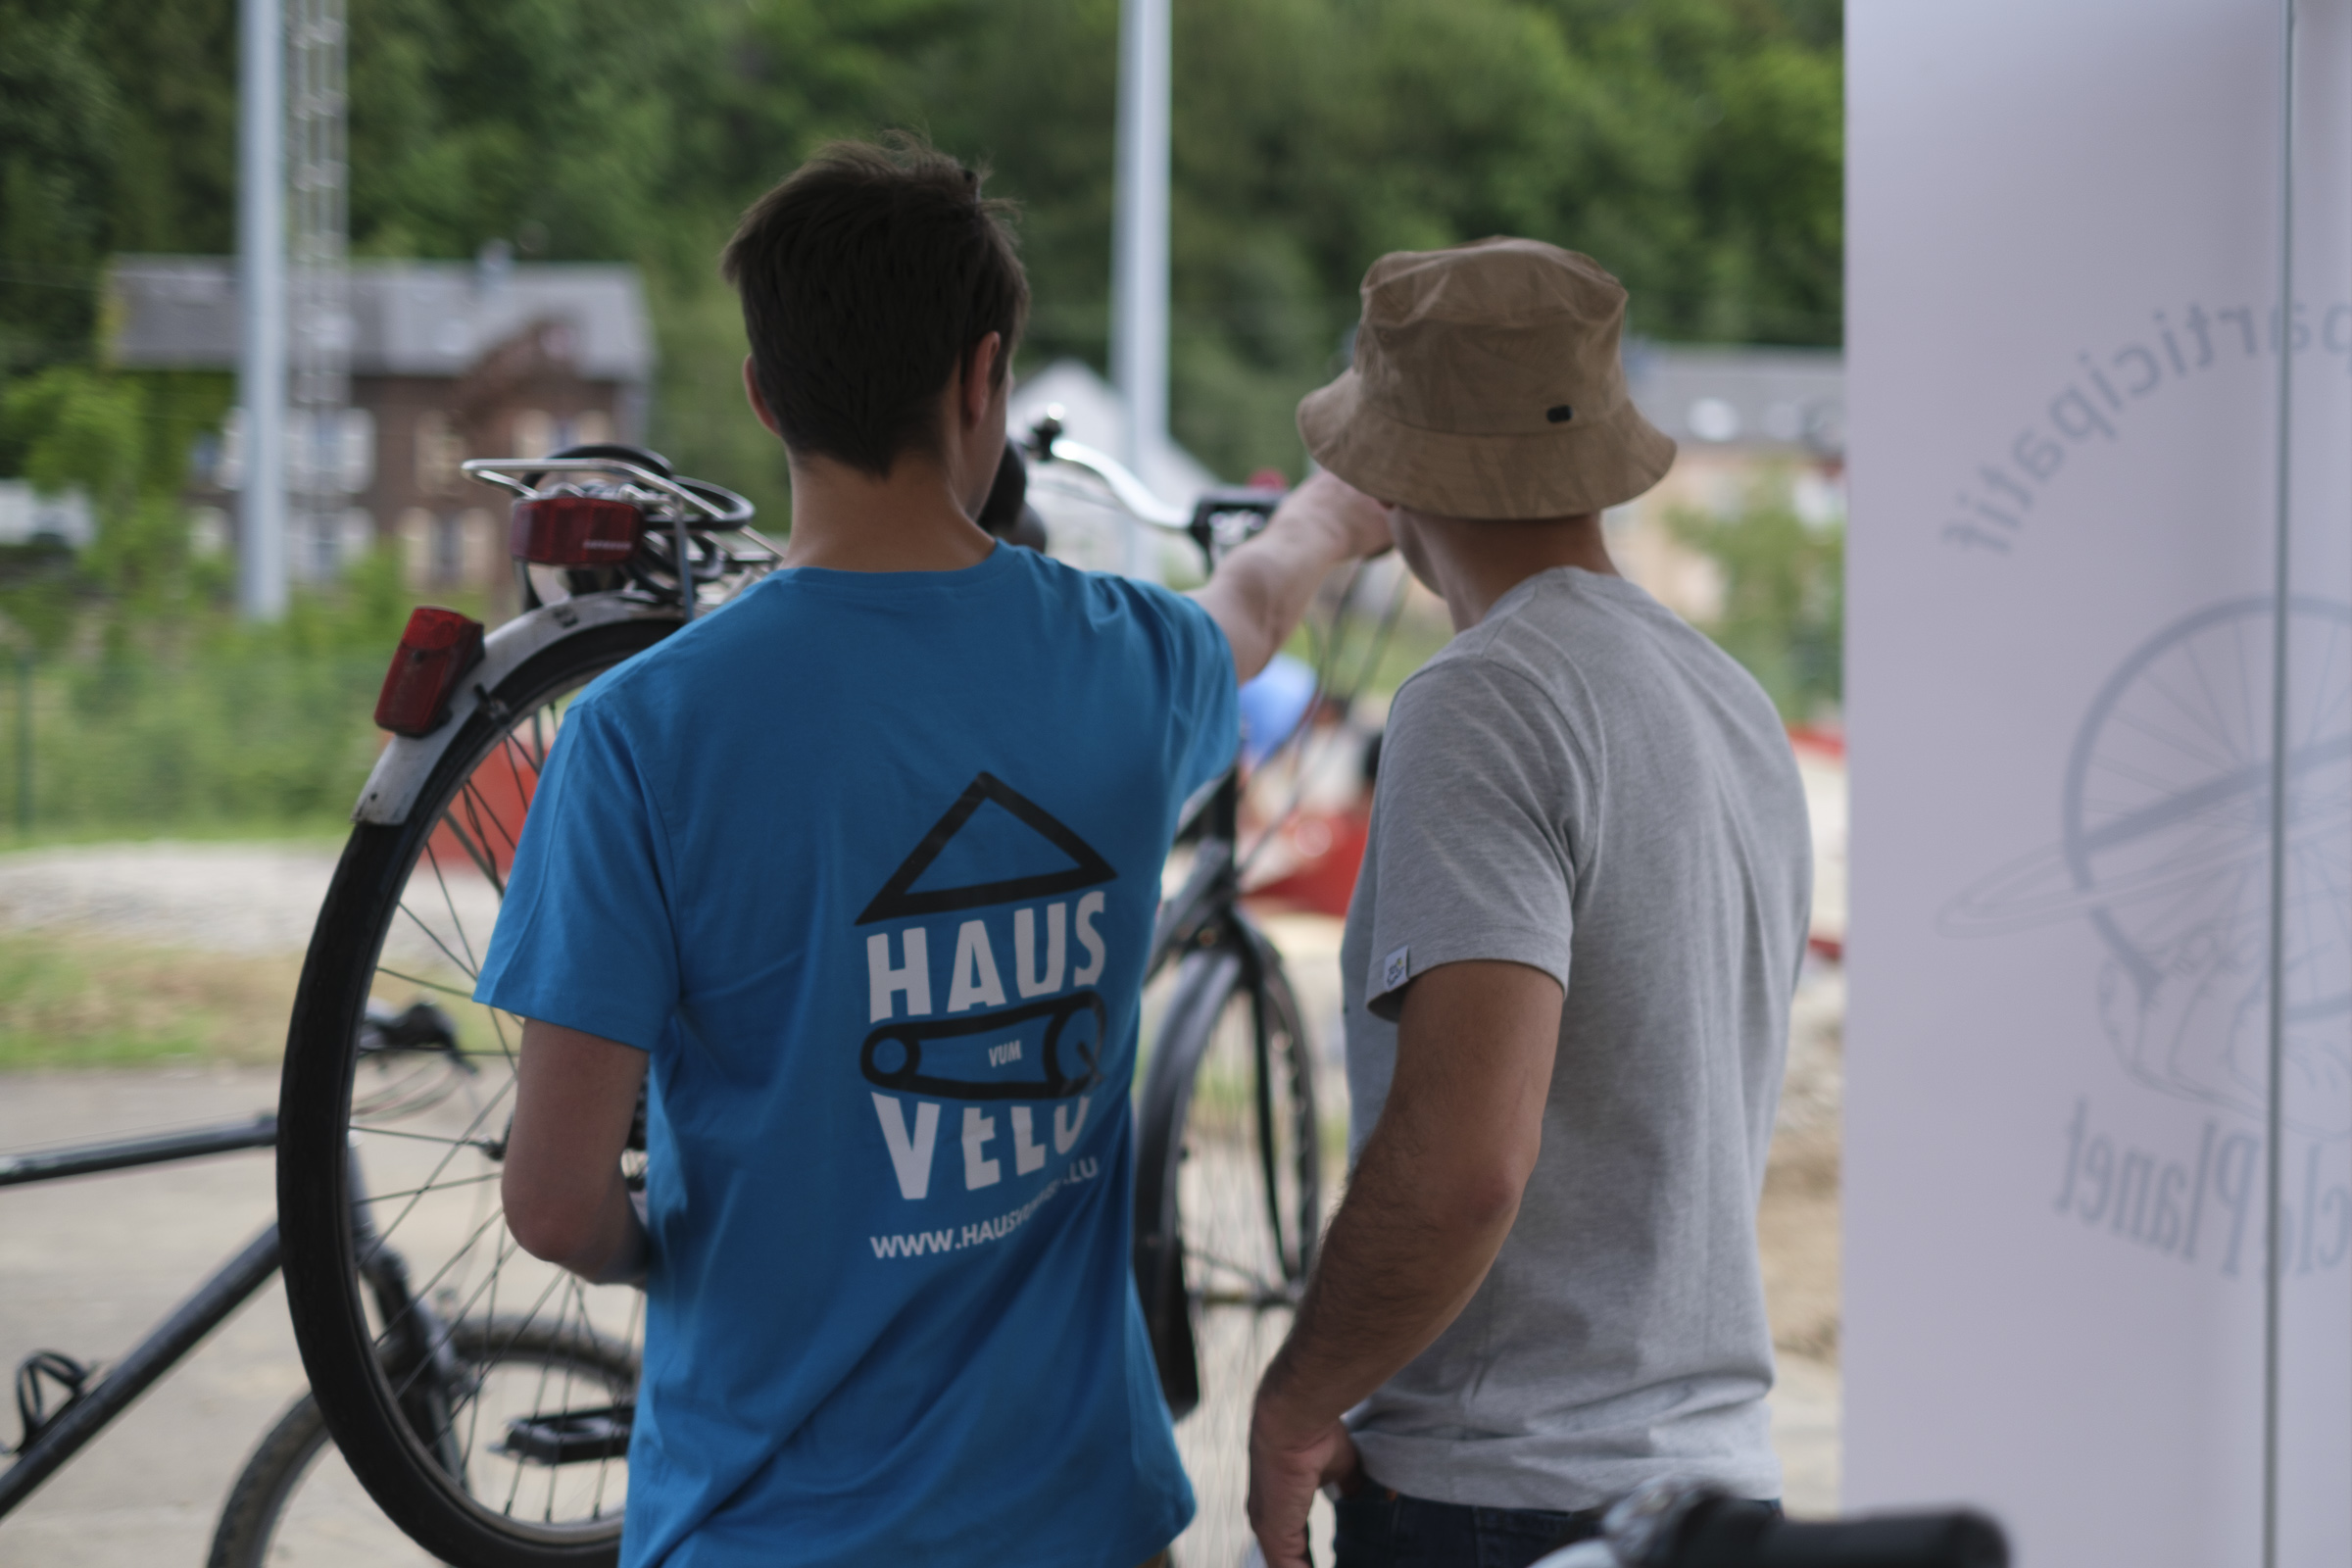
310, 833
71, 1000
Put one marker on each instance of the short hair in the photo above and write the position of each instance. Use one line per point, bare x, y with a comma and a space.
867, 276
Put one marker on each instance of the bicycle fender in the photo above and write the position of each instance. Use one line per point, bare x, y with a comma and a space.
399, 775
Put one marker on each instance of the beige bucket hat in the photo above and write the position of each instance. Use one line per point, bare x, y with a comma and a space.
1487, 384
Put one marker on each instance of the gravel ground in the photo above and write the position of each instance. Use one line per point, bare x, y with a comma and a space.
213, 898
91, 1264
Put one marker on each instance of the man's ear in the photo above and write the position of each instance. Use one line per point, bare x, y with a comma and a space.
979, 382
751, 390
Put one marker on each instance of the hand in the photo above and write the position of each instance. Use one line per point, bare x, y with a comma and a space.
1288, 1461
1358, 524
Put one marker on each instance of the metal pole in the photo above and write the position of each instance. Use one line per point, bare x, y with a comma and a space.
318, 314
1139, 328
24, 742
2274, 1165
262, 290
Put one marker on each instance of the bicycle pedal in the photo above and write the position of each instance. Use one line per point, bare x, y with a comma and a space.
571, 1437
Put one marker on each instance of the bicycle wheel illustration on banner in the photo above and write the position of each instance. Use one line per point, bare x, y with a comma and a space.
2165, 850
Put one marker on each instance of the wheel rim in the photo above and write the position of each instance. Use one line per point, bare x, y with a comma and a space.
425, 1100
322, 1513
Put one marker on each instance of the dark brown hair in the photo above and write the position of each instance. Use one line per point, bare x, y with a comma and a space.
867, 276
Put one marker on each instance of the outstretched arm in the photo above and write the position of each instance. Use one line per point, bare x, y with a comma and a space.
1433, 1198
1259, 591
576, 1096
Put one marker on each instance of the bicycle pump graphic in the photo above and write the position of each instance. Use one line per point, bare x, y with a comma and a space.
2165, 849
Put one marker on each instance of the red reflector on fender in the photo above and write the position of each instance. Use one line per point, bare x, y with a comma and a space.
435, 651
575, 531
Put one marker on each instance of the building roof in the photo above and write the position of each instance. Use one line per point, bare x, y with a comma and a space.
408, 318
1735, 396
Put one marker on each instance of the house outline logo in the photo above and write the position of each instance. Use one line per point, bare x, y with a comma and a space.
1057, 1040
899, 900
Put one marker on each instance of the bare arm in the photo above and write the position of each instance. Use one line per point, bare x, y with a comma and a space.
1259, 591
1431, 1202
576, 1096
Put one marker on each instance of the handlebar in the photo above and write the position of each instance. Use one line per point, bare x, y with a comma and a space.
1676, 1524
1219, 520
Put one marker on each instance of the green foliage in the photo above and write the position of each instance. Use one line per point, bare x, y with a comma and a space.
1784, 598
71, 1000
1694, 146
153, 709
701, 420
60, 115
163, 713
121, 440
78, 428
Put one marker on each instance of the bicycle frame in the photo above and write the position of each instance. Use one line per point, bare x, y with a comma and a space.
89, 1411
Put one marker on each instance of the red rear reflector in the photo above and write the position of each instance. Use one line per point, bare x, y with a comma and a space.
435, 651
575, 531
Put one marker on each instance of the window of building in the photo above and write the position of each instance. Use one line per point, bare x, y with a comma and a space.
534, 433
439, 451
449, 551
417, 545
586, 426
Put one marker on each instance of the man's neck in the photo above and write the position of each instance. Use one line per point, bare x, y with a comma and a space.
848, 520
1477, 562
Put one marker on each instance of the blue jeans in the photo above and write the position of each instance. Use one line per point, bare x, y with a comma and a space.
1382, 1529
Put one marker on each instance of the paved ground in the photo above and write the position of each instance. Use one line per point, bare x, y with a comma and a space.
91, 1264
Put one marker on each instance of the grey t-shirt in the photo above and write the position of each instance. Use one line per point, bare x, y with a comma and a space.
1583, 784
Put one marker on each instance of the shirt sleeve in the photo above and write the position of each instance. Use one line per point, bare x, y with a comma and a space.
586, 937
1205, 704
1479, 783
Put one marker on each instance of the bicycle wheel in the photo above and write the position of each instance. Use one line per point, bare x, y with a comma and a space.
296, 1503
1230, 1205
393, 1113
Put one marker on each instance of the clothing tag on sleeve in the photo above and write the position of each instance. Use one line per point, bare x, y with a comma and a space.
1395, 969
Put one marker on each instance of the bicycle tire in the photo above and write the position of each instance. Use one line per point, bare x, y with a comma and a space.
283, 1461
257, 1506
342, 1257
1229, 1211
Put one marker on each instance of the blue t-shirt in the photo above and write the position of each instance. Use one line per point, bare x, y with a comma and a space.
868, 863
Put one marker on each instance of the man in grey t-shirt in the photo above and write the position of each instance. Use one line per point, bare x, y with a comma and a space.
1566, 973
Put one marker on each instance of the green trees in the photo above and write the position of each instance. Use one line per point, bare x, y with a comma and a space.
1784, 597
1692, 145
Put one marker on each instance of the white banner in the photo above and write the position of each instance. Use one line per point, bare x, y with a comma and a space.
2063, 338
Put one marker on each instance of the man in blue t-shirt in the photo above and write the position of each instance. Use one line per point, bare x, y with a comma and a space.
857, 876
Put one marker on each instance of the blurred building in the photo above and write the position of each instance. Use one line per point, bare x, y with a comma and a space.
449, 360
31, 516
1755, 426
